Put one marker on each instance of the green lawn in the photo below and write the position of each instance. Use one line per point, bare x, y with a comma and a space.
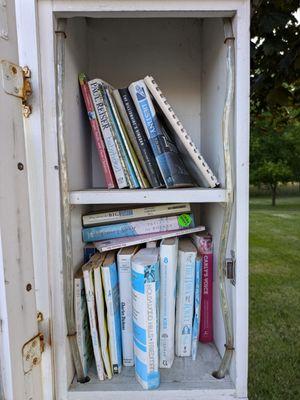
274, 347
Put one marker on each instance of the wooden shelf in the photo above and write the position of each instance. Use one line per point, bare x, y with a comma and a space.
127, 196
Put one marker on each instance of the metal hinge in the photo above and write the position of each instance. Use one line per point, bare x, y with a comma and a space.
32, 352
16, 82
230, 268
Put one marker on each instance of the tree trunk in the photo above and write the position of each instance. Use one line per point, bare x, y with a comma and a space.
274, 192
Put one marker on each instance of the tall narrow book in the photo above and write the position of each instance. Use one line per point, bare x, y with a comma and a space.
131, 214
167, 156
140, 227
168, 269
102, 152
87, 270
124, 260
95, 86
112, 300
82, 323
138, 137
101, 317
185, 297
197, 307
145, 288
192, 157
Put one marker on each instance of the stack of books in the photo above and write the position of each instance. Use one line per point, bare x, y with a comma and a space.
135, 258
140, 141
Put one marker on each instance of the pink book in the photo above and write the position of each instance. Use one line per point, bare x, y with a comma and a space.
103, 156
204, 245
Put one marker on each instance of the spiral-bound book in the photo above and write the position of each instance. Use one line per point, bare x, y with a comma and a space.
194, 160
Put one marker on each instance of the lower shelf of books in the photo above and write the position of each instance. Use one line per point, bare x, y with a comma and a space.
185, 375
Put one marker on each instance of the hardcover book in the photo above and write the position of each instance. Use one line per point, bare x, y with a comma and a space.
112, 300
131, 214
185, 297
124, 260
140, 227
166, 153
145, 304
102, 152
139, 137
168, 268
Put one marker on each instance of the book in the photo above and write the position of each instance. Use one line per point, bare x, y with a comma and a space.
141, 177
171, 166
101, 317
131, 214
197, 307
120, 140
88, 251
88, 277
149, 245
112, 301
107, 131
124, 260
168, 268
187, 253
82, 323
145, 306
139, 139
112, 244
204, 244
102, 152
139, 227
194, 160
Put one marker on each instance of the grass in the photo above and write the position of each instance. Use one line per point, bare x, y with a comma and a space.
274, 339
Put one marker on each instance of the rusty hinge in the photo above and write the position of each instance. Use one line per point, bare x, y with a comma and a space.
16, 82
230, 268
32, 352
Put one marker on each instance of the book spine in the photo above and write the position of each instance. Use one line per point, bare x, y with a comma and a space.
134, 213
102, 325
139, 160
130, 173
102, 153
124, 271
90, 299
168, 268
105, 124
197, 308
88, 251
206, 321
136, 228
112, 299
185, 303
78, 288
139, 137
145, 286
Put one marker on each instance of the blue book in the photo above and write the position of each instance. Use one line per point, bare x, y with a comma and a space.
112, 299
140, 227
164, 148
88, 251
197, 309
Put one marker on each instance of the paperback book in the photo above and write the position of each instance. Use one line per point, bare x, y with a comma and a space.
197, 307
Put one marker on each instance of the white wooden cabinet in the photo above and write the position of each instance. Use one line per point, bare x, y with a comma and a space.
180, 43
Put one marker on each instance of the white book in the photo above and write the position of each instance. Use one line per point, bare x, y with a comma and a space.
101, 317
107, 131
168, 269
124, 259
82, 323
87, 270
131, 214
187, 253
145, 307
197, 165
112, 300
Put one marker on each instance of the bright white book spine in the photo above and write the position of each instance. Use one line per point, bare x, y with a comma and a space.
90, 298
82, 328
134, 213
124, 271
102, 325
107, 132
185, 302
168, 268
